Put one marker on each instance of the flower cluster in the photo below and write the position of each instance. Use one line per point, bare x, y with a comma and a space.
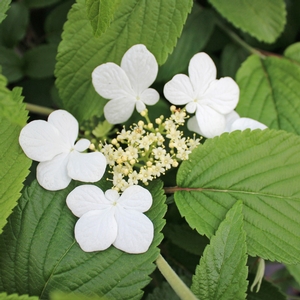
143, 152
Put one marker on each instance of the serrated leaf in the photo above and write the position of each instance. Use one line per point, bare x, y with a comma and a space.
261, 168
293, 52
100, 14
222, 271
156, 23
14, 163
38, 253
264, 20
4, 6
270, 92
4, 296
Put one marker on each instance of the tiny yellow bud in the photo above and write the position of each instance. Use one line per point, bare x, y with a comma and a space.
132, 161
149, 163
119, 161
150, 125
144, 113
92, 147
114, 141
172, 108
124, 158
141, 123
158, 121
175, 163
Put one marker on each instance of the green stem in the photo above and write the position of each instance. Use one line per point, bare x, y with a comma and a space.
237, 39
41, 110
175, 282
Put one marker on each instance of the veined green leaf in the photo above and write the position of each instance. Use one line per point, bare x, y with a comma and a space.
156, 23
264, 20
38, 253
100, 14
4, 6
222, 271
270, 92
4, 296
293, 52
261, 168
14, 164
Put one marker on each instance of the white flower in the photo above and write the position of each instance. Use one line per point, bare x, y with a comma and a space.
127, 85
52, 144
203, 94
110, 219
232, 122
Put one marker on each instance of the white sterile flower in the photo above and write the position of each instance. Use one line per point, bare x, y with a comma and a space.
127, 85
52, 144
203, 94
110, 219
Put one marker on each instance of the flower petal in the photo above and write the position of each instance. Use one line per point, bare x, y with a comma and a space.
110, 81
41, 141
136, 198
245, 123
52, 175
117, 111
210, 122
135, 231
140, 106
86, 167
202, 72
222, 95
96, 230
149, 96
82, 145
229, 119
85, 198
140, 66
192, 125
179, 90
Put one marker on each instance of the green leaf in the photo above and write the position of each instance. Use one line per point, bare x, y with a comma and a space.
295, 271
39, 62
222, 272
39, 3
4, 296
14, 27
270, 92
195, 35
156, 23
293, 52
264, 20
261, 168
4, 6
38, 253
100, 14
11, 64
14, 163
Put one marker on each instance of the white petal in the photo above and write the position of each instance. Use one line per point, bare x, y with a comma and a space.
137, 198
41, 141
135, 231
66, 124
179, 90
229, 119
96, 230
192, 125
202, 72
222, 95
85, 198
149, 96
191, 107
140, 66
245, 123
110, 81
117, 111
86, 167
82, 145
112, 195
210, 122
140, 106
52, 175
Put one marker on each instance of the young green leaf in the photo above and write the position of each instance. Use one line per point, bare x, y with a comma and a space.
4, 6
222, 271
38, 253
293, 52
100, 14
4, 296
157, 24
264, 20
261, 168
270, 92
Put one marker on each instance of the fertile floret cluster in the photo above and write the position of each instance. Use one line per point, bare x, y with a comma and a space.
146, 151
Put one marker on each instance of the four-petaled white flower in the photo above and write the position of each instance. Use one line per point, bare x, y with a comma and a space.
107, 219
127, 85
232, 122
52, 144
203, 94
